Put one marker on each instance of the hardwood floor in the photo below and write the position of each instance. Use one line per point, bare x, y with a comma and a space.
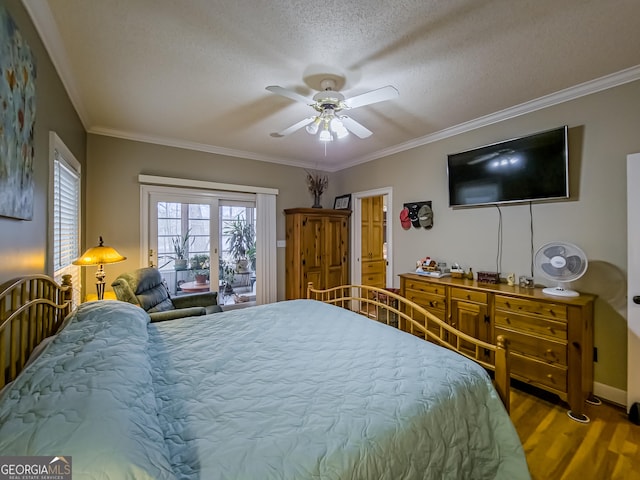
559, 448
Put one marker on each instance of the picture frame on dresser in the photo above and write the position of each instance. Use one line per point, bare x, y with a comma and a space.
342, 202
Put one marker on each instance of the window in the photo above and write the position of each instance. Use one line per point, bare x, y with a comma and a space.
65, 214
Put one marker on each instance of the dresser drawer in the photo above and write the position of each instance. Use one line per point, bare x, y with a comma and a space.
531, 325
546, 351
427, 287
425, 299
527, 306
372, 267
470, 295
539, 373
374, 279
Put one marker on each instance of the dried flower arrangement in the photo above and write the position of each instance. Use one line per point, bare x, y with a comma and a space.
317, 184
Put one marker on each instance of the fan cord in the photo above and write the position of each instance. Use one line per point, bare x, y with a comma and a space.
499, 249
531, 233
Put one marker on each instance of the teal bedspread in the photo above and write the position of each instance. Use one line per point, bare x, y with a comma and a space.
292, 390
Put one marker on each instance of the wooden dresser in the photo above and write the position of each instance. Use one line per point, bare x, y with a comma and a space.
550, 338
317, 249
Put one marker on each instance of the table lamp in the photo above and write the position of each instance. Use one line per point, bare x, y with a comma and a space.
99, 256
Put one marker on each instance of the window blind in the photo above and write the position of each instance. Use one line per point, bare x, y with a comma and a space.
66, 222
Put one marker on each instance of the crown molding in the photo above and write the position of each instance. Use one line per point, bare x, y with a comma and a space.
47, 28
587, 88
199, 147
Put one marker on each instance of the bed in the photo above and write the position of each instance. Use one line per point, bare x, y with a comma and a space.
302, 389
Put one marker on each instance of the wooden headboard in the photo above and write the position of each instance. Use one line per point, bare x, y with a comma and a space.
31, 309
393, 309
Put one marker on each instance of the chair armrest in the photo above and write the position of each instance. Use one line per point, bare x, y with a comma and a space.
177, 313
213, 309
195, 300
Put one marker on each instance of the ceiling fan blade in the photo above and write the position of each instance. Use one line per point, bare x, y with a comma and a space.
374, 96
294, 127
289, 94
356, 128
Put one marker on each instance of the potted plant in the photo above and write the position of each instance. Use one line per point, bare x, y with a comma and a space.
200, 267
241, 240
181, 245
317, 184
199, 261
226, 272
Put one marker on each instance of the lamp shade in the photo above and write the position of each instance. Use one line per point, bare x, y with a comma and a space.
99, 255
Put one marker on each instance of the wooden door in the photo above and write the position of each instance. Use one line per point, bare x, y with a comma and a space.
373, 263
334, 254
312, 229
472, 319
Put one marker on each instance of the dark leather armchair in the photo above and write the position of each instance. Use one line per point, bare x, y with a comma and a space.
145, 288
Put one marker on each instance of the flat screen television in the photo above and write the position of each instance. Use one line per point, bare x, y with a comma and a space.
525, 169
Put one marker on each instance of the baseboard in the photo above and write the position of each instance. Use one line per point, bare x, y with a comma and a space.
610, 394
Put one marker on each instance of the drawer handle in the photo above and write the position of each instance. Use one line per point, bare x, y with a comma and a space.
550, 376
508, 320
468, 297
551, 329
549, 351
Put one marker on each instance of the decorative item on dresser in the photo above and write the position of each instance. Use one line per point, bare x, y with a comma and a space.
550, 338
317, 249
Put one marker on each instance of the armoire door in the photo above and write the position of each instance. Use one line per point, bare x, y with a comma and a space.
334, 252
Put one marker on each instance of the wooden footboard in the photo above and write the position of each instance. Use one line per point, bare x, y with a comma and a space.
395, 310
31, 309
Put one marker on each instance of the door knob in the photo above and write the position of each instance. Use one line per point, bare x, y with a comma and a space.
636, 299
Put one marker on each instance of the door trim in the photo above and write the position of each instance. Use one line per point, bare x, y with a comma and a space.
356, 237
633, 279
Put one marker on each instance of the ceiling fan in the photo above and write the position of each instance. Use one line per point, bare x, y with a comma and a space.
329, 103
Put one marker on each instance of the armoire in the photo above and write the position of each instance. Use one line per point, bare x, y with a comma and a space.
317, 249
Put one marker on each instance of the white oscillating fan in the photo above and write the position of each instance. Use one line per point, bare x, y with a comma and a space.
561, 262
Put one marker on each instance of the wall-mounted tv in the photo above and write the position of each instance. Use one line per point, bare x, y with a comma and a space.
525, 169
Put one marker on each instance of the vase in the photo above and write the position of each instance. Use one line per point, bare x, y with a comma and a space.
316, 200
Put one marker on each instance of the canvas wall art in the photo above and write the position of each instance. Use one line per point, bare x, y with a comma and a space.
17, 121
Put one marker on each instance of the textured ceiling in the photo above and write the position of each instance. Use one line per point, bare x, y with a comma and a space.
193, 73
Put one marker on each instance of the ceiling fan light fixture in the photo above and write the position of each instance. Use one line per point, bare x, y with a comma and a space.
312, 128
325, 134
338, 128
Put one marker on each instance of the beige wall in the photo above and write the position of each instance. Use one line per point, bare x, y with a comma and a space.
23, 244
603, 129
113, 202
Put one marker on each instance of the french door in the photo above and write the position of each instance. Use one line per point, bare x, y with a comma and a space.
183, 236
191, 236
